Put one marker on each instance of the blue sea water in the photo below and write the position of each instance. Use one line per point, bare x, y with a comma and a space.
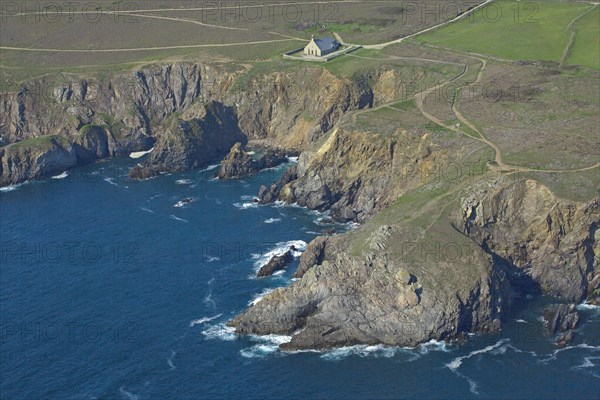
110, 291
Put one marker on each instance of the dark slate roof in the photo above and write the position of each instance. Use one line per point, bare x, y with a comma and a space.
327, 43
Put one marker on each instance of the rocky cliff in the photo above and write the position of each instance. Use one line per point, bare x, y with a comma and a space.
506, 239
164, 104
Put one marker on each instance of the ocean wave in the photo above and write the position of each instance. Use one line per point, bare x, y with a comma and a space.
248, 197
457, 362
433, 345
128, 395
9, 188
586, 306
184, 181
555, 353
171, 358
269, 345
279, 249
111, 181
375, 351
587, 363
179, 219
246, 206
203, 320
208, 258
522, 321
147, 210
271, 220
61, 176
260, 296
220, 332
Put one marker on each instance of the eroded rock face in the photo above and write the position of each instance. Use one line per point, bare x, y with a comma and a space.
22, 162
350, 301
552, 241
561, 319
193, 144
239, 163
288, 109
354, 174
276, 263
388, 296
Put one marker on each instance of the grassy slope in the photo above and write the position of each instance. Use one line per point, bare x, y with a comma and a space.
587, 41
512, 38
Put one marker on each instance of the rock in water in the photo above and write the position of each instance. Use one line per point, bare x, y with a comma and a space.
560, 318
236, 164
276, 263
196, 143
239, 163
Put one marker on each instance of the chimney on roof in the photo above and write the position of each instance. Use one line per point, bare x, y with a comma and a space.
312, 37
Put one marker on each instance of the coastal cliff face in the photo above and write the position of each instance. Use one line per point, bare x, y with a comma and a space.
354, 174
165, 104
515, 237
552, 241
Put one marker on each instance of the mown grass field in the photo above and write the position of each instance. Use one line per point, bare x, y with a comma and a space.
534, 31
587, 41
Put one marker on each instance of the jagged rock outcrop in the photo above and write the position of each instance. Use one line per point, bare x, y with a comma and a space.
239, 163
290, 108
551, 241
46, 156
314, 254
295, 107
355, 174
561, 319
193, 144
397, 290
276, 263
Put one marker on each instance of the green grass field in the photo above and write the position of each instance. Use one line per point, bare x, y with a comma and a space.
519, 33
587, 41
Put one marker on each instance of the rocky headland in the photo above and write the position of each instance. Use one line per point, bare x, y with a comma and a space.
432, 258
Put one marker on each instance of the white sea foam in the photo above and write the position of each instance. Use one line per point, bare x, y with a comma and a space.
61, 176
457, 362
111, 181
586, 306
179, 219
269, 345
567, 348
128, 395
433, 345
279, 249
522, 321
260, 296
184, 181
292, 159
9, 188
362, 351
208, 300
203, 320
147, 210
138, 154
171, 358
246, 206
247, 197
271, 220
208, 258
219, 332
